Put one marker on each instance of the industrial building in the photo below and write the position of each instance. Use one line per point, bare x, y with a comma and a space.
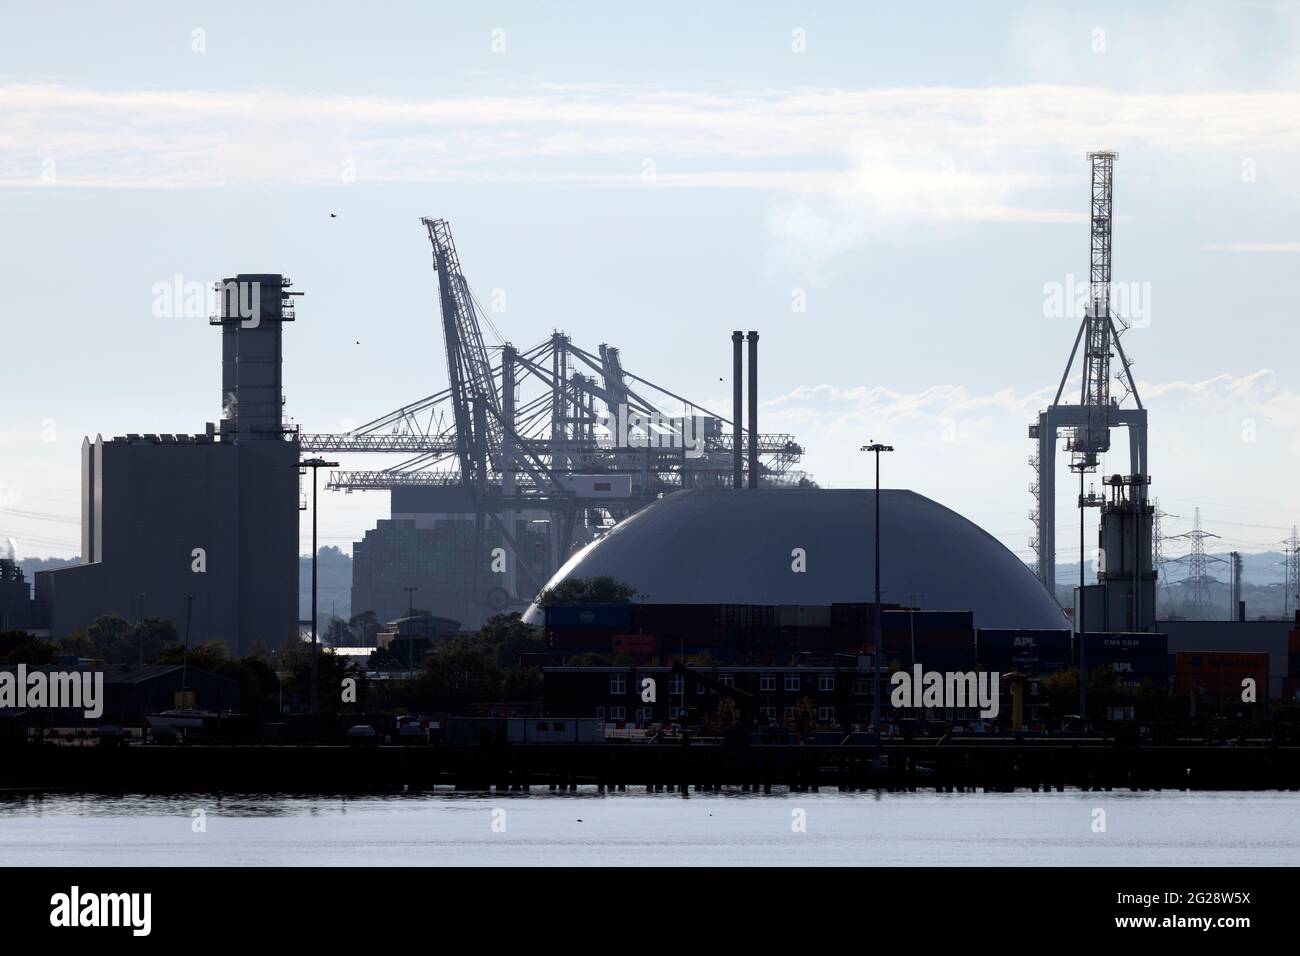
736, 642
810, 546
201, 528
1272, 638
432, 543
820, 696
17, 611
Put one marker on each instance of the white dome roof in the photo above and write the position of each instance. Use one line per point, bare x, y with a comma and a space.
723, 546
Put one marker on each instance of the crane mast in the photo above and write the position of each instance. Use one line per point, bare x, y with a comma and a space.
1093, 438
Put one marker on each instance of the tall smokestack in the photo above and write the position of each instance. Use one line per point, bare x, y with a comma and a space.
737, 412
253, 307
753, 409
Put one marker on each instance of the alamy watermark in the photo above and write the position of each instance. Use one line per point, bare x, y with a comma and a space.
231, 299
62, 690
75, 908
627, 428
1073, 298
923, 688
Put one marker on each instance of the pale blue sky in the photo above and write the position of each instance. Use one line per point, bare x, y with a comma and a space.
918, 171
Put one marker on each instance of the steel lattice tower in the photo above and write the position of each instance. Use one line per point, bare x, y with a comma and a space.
1198, 578
1093, 438
1158, 547
1035, 514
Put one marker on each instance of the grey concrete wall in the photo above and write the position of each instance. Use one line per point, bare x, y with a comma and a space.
238, 501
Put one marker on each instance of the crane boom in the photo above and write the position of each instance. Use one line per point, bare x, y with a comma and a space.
469, 372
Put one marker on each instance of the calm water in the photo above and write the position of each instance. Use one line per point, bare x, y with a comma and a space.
635, 828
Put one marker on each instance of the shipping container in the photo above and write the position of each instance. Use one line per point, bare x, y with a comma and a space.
1035, 653
578, 641
617, 616
551, 730
1220, 674
640, 646
1133, 656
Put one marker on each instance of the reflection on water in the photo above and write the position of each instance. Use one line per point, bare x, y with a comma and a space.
591, 828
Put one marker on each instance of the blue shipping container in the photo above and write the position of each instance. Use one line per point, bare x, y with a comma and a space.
616, 616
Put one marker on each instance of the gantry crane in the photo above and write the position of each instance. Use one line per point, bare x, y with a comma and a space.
529, 430
1088, 426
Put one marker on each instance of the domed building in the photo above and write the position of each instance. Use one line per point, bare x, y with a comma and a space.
726, 546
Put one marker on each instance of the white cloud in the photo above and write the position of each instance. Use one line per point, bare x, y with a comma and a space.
1267, 247
934, 151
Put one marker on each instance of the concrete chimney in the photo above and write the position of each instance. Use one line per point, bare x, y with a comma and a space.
737, 411
753, 409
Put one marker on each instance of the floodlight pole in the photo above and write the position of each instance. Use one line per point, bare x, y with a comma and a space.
314, 464
876, 448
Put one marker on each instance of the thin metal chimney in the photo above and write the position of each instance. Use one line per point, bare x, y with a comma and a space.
753, 409
737, 412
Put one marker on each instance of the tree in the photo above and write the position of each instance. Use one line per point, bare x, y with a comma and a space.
365, 627
119, 643
331, 670
337, 633
508, 636
461, 673
19, 647
598, 590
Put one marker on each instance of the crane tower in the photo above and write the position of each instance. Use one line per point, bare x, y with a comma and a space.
1127, 597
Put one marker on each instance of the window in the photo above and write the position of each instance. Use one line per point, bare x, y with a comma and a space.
825, 681
769, 714
600, 713
618, 684
728, 679
677, 684
767, 682
618, 713
826, 715
791, 681
700, 688
644, 715
674, 712
860, 687
789, 713
541, 726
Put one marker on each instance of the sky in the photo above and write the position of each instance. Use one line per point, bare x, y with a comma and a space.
894, 195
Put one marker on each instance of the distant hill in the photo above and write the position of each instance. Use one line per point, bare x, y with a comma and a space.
31, 565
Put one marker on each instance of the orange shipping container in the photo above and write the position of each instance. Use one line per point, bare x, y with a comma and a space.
1220, 674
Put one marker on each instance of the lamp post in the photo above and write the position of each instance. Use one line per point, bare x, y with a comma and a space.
410, 612
1083, 611
876, 448
314, 464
